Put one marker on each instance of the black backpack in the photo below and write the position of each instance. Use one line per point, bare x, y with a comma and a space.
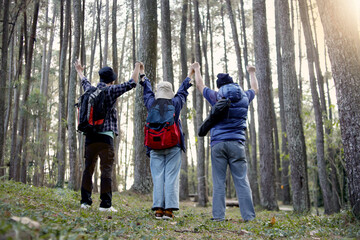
218, 112
91, 110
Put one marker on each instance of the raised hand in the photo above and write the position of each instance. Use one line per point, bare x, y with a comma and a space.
79, 69
250, 69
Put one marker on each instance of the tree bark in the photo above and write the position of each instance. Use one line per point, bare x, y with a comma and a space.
342, 39
3, 77
167, 63
23, 128
236, 43
61, 155
263, 73
148, 55
199, 112
73, 160
294, 128
252, 173
184, 183
320, 156
224, 38
106, 32
285, 185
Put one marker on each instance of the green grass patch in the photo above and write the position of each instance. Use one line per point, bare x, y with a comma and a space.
58, 215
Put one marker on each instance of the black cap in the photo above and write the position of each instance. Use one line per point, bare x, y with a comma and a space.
107, 75
223, 79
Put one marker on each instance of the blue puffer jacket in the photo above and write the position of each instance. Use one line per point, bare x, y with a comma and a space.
232, 127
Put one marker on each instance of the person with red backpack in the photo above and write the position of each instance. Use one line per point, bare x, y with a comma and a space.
164, 140
100, 142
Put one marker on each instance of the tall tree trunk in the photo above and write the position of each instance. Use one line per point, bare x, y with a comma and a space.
184, 183
23, 128
167, 63
14, 170
253, 175
133, 32
266, 142
224, 37
61, 156
285, 185
40, 135
310, 51
94, 34
236, 43
199, 112
74, 182
294, 128
44, 123
3, 77
342, 39
106, 32
148, 55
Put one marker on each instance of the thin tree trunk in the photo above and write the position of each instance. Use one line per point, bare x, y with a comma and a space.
236, 43
14, 171
294, 128
224, 37
285, 185
118, 109
74, 182
133, 32
199, 112
93, 41
106, 32
23, 128
184, 183
61, 156
167, 63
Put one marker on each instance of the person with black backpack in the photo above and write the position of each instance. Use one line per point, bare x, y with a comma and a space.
164, 139
100, 133
228, 140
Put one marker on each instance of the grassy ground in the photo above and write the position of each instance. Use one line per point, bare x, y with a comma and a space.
55, 214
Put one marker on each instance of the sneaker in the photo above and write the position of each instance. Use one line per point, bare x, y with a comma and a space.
168, 214
217, 219
159, 213
110, 209
84, 206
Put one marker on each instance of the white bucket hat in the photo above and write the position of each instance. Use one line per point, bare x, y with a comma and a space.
164, 90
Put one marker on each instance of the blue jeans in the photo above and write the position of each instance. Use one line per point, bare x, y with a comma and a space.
165, 168
230, 153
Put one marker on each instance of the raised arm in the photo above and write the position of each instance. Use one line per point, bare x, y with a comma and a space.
79, 69
253, 80
198, 78
135, 74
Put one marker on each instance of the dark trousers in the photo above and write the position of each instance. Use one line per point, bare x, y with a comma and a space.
106, 153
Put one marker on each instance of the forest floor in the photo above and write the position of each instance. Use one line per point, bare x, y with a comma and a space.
48, 213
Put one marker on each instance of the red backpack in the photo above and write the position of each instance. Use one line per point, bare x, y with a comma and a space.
161, 130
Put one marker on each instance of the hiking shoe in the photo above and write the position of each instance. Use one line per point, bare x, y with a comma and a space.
110, 209
159, 213
168, 214
84, 206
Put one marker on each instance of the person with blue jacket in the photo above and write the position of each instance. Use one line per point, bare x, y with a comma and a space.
228, 140
165, 163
